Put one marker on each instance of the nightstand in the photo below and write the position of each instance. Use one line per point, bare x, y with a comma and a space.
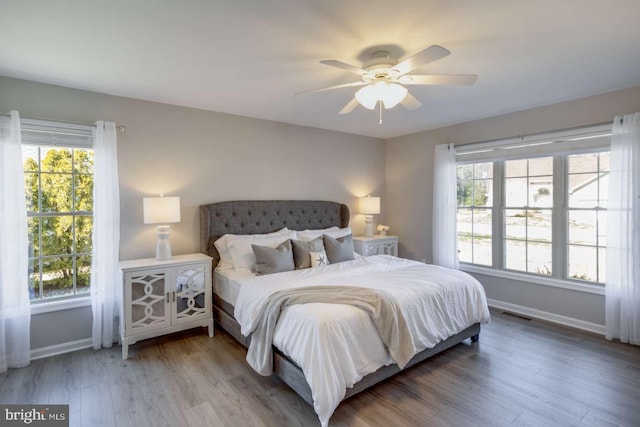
161, 297
376, 245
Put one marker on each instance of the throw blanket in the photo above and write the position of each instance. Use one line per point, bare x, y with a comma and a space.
336, 345
384, 311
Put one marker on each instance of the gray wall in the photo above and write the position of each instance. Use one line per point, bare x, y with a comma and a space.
202, 157
409, 183
205, 157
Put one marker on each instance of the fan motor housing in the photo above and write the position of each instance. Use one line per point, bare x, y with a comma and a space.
379, 65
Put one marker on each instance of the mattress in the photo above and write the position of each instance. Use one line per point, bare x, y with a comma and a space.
227, 283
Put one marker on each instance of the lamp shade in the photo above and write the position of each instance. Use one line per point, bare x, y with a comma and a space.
389, 93
161, 210
394, 93
367, 97
370, 205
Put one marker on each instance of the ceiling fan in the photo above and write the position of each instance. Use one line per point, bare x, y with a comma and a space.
384, 79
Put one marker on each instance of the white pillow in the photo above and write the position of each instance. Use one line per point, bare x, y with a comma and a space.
318, 258
222, 245
334, 232
242, 252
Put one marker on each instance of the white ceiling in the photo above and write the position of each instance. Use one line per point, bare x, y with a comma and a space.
249, 57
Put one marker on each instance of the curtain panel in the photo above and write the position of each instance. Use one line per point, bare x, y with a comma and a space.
445, 239
15, 307
106, 279
622, 297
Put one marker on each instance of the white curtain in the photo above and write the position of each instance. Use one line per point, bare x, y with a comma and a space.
105, 273
445, 240
15, 307
623, 232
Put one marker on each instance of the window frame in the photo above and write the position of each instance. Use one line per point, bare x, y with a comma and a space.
597, 210
57, 135
527, 207
473, 208
558, 145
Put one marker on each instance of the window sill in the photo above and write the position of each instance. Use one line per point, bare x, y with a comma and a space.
66, 304
538, 280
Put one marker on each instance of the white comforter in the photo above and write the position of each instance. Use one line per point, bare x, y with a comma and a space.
336, 345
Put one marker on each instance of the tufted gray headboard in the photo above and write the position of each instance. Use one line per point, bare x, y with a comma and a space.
265, 216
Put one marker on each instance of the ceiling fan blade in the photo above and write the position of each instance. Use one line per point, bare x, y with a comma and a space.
323, 89
344, 66
410, 102
350, 106
440, 79
425, 56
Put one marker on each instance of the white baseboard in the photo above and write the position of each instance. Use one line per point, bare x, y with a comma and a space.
549, 317
66, 347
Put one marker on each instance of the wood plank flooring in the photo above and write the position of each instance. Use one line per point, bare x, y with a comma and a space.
522, 373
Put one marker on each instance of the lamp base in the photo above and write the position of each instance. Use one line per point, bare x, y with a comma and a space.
368, 226
163, 247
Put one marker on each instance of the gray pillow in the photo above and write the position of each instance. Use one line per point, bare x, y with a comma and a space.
273, 260
340, 249
302, 251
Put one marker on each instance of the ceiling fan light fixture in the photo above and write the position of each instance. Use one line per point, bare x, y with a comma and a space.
368, 96
391, 94
383, 79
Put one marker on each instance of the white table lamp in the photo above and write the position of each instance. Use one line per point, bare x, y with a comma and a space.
369, 206
162, 210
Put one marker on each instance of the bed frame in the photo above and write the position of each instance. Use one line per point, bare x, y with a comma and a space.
265, 216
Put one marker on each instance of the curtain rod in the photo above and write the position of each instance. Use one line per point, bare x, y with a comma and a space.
121, 128
471, 144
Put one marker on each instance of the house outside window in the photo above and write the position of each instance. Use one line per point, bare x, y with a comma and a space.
588, 185
536, 206
527, 215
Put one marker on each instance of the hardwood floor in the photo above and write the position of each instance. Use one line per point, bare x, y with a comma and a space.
524, 373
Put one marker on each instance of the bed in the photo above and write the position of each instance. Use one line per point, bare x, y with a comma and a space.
233, 287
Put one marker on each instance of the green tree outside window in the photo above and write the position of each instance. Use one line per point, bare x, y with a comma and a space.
59, 191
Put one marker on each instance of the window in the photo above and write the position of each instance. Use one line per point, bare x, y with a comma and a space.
588, 178
527, 212
475, 199
536, 205
59, 192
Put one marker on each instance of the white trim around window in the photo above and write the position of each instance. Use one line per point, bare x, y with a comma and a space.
47, 306
51, 133
582, 140
38, 137
535, 279
559, 145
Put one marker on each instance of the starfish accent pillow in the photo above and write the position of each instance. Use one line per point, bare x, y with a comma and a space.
318, 258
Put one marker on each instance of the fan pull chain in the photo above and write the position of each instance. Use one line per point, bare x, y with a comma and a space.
380, 121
